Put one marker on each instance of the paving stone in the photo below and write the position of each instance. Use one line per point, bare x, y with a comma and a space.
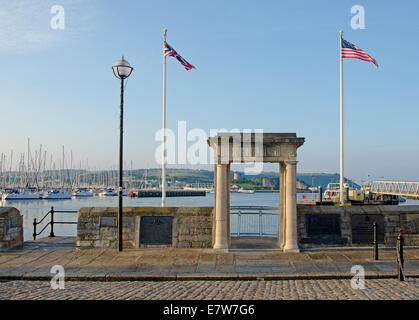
200, 261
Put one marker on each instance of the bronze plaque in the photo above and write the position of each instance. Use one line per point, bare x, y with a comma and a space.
14, 221
108, 222
156, 230
363, 230
323, 224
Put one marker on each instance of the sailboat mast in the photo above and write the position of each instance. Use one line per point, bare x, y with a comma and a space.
62, 172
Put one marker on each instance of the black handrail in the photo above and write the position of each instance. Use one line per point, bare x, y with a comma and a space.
51, 222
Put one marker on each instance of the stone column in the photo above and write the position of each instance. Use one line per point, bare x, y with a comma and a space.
281, 227
291, 241
221, 208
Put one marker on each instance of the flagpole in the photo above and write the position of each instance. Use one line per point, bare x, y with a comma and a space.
163, 166
342, 200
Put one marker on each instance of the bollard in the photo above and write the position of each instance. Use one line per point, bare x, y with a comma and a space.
51, 235
400, 258
375, 253
347, 194
238, 223
34, 229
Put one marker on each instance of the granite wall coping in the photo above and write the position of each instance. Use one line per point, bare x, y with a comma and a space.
368, 209
145, 211
9, 212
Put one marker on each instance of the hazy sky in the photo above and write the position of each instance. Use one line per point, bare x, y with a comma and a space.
271, 65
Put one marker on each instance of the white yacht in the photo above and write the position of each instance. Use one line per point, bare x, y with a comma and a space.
241, 190
14, 194
108, 193
82, 193
56, 194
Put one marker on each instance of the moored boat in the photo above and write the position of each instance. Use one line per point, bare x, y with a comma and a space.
15, 194
56, 194
82, 193
241, 190
108, 193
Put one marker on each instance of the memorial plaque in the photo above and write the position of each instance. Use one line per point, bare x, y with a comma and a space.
323, 224
14, 221
363, 230
156, 230
108, 222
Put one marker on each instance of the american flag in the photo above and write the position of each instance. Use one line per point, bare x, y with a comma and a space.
350, 50
169, 51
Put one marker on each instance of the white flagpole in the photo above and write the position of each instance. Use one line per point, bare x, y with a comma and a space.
342, 200
163, 165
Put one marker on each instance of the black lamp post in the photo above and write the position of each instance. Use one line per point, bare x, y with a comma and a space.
121, 70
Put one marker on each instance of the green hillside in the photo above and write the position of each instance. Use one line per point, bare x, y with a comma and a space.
205, 176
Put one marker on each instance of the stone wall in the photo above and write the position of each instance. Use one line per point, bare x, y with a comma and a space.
391, 220
11, 228
191, 226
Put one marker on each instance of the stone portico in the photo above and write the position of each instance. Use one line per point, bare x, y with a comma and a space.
256, 147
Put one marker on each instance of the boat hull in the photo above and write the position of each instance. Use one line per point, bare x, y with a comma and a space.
57, 196
21, 196
82, 194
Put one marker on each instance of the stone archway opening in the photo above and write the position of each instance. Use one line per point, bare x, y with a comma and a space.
257, 148
252, 226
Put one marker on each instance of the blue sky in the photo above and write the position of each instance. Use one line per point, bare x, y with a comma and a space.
271, 65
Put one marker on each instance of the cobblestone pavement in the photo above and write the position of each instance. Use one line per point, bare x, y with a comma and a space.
380, 289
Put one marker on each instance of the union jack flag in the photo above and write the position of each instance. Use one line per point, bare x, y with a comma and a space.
169, 51
350, 50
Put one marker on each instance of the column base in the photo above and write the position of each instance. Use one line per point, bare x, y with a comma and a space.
279, 244
292, 249
221, 249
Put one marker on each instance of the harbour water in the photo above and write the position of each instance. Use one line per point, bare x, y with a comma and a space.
31, 209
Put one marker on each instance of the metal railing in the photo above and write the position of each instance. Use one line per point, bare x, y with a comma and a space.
254, 221
51, 222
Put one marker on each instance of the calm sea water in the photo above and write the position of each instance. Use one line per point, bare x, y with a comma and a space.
31, 209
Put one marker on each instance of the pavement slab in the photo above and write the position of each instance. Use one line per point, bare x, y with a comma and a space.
200, 263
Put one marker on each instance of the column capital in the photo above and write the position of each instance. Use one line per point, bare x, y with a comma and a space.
291, 162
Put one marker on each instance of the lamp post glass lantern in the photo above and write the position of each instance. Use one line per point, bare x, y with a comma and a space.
122, 70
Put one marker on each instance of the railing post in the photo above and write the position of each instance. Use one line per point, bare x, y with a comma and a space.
260, 223
34, 229
375, 241
52, 223
400, 258
238, 223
